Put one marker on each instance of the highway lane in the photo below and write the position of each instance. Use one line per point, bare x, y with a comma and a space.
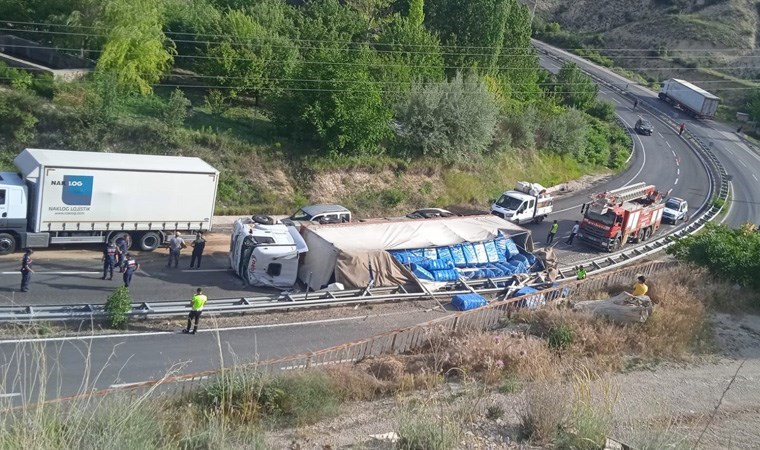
741, 162
76, 365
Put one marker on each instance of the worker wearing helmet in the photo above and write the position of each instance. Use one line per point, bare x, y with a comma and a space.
196, 307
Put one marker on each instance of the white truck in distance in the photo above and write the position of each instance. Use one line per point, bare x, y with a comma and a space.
692, 99
527, 202
64, 197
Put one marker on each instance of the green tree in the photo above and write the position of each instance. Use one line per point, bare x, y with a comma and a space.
17, 120
117, 307
753, 105
453, 120
563, 133
416, 12
136, 49
176, 110
575, 88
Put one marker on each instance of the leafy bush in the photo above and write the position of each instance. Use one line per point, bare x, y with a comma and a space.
575, 88
564, 133
176, 110
302, 398
522, 128
17, 119
426, 430
118, 306
453, 120
560, 337
604, 110
727, 253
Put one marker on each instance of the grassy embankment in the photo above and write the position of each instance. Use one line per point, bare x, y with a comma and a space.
549, 359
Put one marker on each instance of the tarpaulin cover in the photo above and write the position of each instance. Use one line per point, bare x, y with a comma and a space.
463, 302
340, 252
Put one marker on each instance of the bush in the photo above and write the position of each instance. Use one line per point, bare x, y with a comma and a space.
564, 133
176, 110
302, 398
604, 110
542, 412
423, 429
118, 306
17, 119
560, 337
453, 121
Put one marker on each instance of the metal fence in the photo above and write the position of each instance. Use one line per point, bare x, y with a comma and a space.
398, 341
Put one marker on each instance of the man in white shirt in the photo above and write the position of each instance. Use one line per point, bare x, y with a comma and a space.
573, 232
176, 244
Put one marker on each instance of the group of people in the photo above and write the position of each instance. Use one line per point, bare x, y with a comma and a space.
116, 255
177, 244
555, 228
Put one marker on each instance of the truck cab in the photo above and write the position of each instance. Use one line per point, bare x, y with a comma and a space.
528, 202
13, 210
675, 209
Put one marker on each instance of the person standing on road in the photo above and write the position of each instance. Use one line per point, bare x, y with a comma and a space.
199, 244
130, 267
26, 270
552, 233
681, 128
109, 259
573, 232
176, 244
635, 103
196, 305
580, 273
121, 255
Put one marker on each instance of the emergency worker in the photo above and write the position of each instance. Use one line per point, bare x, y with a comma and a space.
130, 267
196, 305
109, 259
26, 269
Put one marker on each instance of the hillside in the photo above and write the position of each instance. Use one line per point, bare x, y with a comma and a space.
708, 42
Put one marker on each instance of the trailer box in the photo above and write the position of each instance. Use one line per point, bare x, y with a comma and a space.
690, 97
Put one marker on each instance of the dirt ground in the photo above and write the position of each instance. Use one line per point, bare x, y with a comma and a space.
668, 404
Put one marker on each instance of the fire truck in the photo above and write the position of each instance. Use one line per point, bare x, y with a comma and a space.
628, 214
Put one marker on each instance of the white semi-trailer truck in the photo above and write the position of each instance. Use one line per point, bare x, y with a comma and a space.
692, 99
64, 197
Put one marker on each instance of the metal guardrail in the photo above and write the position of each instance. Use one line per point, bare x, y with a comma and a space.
706, 213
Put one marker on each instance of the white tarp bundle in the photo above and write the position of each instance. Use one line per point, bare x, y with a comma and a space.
266, 255
346, 251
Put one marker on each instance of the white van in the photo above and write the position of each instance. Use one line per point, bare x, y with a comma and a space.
528, 202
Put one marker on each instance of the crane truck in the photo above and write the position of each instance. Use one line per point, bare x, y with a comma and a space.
527, 202
628, 214
65, 197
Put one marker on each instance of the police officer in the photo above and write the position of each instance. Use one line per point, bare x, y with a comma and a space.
196, 305
130, 267
121, 255
26, 269
109, 259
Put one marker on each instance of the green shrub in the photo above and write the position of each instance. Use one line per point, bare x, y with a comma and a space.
560, 337
604, 110
17, 119
176, 110
425, 430
494, 412
118, 306
302, 398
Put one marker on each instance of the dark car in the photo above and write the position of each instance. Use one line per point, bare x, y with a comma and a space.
643, 126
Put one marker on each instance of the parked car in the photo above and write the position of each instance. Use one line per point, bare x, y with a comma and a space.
643, 126
321, 214
675, 209
428, 213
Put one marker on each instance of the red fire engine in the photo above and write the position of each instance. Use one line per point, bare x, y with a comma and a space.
629, 214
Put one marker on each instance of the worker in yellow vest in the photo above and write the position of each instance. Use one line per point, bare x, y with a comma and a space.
196, 305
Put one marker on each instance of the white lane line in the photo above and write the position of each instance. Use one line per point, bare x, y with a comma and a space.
731, 204
676, 181
203, 270
663, 137
617, 101
753, 176
678, 171
209, 330
121, 385
673, 152
144, 273
742, 162
55, 272
603, 92
668, 144
13, 394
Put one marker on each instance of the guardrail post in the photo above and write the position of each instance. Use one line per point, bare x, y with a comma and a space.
454, 325
308, 361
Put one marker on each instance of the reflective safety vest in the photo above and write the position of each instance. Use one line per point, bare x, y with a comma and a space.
131, 265
581, 274
198, 301
554, 229
110, 252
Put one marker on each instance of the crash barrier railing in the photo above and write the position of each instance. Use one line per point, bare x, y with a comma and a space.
708, 210
398, 341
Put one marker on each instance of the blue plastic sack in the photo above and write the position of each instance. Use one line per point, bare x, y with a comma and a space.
469, 254
446, 275
457, 255
437, 264
512, 249
464, 302
400, 256
520, 258
491, 251
501, 245
480, 252
444, 253
497, 271
531, 301
505, 268
421, 272
430, 253
415, 255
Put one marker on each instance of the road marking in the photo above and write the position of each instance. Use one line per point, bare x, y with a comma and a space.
617, 101
55, 272
742, 162
144, 273
14, 394
209, 330
203, 270
673, 152
122, 385
663, 137
731, 204
603, 92
678, 171
676, 181
753, 176
668, 144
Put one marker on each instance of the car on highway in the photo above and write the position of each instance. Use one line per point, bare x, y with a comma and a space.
643, 126
429, 213
322, 214
675, 209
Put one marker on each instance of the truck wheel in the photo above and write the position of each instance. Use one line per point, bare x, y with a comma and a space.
7, 243
149, 241
263, 220
123, 235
